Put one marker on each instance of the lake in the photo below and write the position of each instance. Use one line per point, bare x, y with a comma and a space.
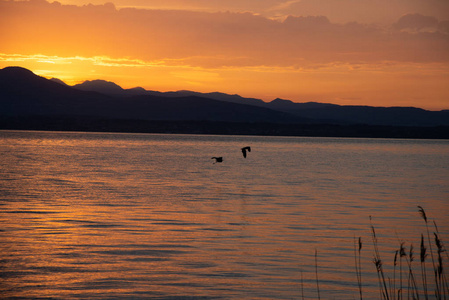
108, 215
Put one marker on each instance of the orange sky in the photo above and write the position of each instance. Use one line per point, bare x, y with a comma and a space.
354, 52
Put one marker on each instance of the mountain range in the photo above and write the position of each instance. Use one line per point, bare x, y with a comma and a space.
25, 96
311, 112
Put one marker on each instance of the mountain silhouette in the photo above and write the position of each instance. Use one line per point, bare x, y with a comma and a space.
58, 81
369, 115
23, 94
111, 88
314, 112
28, 101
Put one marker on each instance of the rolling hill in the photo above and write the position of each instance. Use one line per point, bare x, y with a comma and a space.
25, 94
28, 101
312, 111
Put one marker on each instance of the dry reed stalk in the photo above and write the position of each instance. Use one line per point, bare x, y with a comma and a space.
442, 281
423, 256
441, 249
401, 255
378, 262
394, 273
316, 274
302, 287
435, 270
411, 276
358, 266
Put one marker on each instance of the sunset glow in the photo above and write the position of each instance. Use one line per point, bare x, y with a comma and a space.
298, 50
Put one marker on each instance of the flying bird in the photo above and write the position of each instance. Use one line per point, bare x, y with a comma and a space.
217, 159
244, 149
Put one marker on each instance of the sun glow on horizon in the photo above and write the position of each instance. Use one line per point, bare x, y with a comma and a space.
300, 58
316, 83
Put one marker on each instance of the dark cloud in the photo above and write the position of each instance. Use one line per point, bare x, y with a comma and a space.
444, 27
417, 22
338, 11
368, 11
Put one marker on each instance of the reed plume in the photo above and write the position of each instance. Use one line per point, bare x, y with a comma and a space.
442, 285
423, 213
394, 289
442, 246
442, 249
435, 269
395, 262
423, 256
401, 252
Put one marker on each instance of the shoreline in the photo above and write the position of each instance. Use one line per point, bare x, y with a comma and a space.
92, 124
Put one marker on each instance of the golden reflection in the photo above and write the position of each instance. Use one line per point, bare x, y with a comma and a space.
118, 215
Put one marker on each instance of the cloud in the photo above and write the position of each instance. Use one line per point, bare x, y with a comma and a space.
206, 39
284, 5
444, 27
417, 22
340, 11
366, 11
94, 61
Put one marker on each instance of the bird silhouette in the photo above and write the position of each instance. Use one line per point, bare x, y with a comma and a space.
244, 149
217, 159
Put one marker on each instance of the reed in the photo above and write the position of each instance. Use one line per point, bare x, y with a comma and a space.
358, 265
302, 287
408, 287
316, 274
393, 292
441, 249
378, 263
401, 255
441, 282
424, 216
422, 256
412, 287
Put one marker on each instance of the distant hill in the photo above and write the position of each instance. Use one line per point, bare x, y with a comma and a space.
369, 115
58, 81
23, 93
112, 89
312, 111
28, 101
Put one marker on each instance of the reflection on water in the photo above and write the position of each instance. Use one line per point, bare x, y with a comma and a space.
89, 215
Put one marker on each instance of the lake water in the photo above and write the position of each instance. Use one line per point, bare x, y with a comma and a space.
105, 215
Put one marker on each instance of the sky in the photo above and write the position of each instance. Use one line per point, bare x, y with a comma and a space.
348, 52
